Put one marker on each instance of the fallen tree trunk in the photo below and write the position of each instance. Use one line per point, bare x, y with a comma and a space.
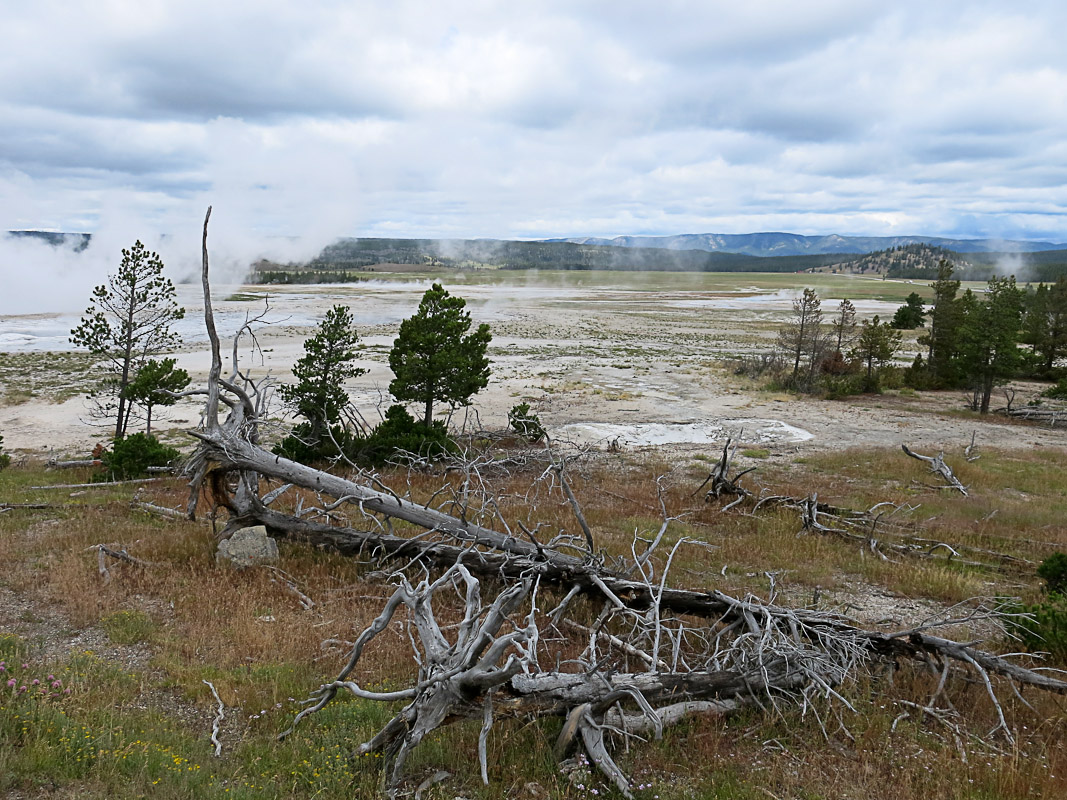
724, 652
762, 654
1050, 416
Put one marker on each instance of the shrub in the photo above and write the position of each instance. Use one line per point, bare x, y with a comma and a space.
1046, 630
525, 424
301, 445
130, 457
758, 365
400, 438
1058, 392
1053, 571
838, 386
5, 459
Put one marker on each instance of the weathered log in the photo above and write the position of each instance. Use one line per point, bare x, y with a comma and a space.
159, 511
752, 652
97, 485
83, 462
1051, 416
722, 483
939, 467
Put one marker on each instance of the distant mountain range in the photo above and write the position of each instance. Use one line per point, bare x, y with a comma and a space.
795, 244
79, 241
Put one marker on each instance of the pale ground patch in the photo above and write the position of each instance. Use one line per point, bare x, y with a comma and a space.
596, 362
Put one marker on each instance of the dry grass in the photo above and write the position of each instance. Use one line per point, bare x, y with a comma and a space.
251, 638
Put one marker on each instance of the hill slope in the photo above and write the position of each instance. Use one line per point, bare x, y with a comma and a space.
793, 244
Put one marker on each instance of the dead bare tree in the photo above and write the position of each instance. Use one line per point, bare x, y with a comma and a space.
722, 483
698, 651
939, 467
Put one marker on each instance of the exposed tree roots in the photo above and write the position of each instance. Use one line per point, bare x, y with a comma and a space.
655, 653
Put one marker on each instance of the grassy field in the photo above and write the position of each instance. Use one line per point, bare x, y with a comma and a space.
126, 713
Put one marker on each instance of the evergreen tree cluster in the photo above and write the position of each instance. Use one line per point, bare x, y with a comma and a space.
973, 341
436, 358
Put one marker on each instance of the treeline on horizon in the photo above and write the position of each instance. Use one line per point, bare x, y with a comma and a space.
348, 256
345, 259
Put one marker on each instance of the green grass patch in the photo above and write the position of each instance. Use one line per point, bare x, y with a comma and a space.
128, 627
756, 452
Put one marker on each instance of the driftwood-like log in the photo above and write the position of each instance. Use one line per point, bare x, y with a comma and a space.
721, 482
939, 467
159, 511
98, 485
723, 652
104, 552
1048, 416
82, 462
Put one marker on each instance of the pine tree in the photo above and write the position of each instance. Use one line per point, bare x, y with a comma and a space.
989, 337
878, 342
945, 318
1045, 323
435, 359
319, 396
802, 336
910, 315
156, 384
127, 323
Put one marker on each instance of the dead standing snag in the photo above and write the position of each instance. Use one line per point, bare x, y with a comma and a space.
696, 651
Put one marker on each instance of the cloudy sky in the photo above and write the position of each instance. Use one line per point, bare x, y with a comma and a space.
533, 119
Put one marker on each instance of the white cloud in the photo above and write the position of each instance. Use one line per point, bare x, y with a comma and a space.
532, 119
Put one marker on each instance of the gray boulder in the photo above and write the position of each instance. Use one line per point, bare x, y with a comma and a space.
247, 547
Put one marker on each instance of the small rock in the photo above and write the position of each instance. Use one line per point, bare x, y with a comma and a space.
247, 547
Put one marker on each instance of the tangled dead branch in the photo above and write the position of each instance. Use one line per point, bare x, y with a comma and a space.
104, 552
939, 467
696, 651
722, 483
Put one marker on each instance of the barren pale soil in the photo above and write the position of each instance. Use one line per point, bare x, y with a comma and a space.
637, 361
636, 358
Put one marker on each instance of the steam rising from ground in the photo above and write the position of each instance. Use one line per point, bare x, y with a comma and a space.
40, 277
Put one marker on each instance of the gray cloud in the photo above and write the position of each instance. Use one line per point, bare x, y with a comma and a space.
488, 118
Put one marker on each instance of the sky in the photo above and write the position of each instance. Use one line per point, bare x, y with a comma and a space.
303, 121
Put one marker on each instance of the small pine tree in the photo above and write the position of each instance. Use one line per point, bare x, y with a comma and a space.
435, 359
128, 322
877, 344
329, 358
155, 385
910, 315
